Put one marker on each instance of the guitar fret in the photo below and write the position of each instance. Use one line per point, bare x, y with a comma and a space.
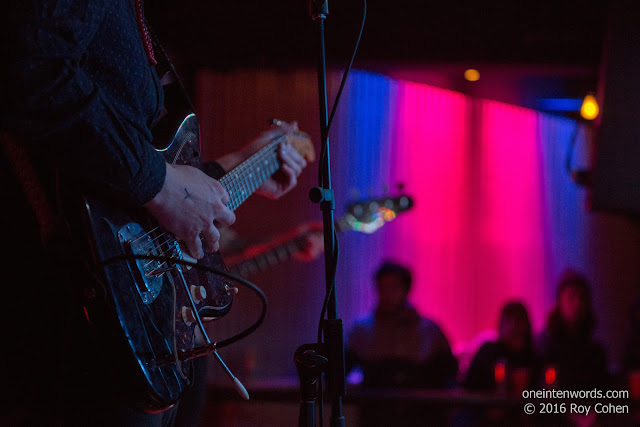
291, 248
261, 263
253, 268
271, 259
281, 253
242, 181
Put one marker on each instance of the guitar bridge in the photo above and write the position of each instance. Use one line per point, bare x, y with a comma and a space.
148, 273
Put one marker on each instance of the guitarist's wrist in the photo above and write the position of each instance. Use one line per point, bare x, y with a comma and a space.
160, 198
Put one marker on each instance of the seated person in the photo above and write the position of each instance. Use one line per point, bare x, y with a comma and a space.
567, 342
395, 346
398, 348
510, 362
632, 352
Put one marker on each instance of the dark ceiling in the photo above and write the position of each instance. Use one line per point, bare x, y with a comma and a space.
527, 50
250, 33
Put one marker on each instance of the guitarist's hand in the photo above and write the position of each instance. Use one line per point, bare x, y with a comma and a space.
313, 244
292, 163
191, 205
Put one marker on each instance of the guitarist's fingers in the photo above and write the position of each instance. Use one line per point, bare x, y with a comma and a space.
211, 239
224, 217
292, 177
291, 158
297, 159
219, 189
194, 244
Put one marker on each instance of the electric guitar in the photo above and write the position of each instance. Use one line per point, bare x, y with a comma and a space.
158, 303
365, 216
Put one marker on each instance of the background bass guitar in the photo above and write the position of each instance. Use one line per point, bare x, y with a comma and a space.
365, 216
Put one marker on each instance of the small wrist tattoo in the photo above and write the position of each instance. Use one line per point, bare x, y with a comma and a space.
187, 193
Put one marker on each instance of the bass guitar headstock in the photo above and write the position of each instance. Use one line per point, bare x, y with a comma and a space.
367, 216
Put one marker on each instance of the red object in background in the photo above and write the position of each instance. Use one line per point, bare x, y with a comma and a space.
519, 380
499, 373
634, 384
550, 376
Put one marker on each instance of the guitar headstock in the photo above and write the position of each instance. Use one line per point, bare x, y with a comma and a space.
303, 145
367, 216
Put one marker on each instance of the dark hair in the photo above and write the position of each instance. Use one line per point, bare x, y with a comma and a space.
394, 269
586, 325
516, 309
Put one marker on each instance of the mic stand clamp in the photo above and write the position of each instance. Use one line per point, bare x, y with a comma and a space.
323, 196
310, 364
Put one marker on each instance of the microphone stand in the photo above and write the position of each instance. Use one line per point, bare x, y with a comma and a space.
312, 360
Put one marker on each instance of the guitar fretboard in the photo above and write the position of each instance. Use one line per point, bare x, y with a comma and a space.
269, 258
277, 254
241, 181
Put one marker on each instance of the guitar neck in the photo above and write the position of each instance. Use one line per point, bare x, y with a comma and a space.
243, 180
276, 254
269, 258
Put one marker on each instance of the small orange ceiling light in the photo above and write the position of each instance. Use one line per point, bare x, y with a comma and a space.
472, 75
590, 108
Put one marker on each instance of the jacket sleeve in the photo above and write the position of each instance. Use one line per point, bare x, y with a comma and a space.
51, 100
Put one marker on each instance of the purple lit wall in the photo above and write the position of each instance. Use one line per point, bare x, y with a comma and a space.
496, 216
482, 174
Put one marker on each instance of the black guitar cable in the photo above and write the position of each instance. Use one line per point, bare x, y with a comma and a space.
218, 344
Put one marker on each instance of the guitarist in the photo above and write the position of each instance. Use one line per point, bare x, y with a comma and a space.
79, 93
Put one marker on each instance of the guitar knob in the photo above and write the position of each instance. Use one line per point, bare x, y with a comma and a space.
230, 289
188, 316
198, 293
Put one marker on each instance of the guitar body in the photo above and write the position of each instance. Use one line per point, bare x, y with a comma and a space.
157, 303
153, 300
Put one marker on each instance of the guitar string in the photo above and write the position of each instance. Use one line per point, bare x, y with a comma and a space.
289, 249
265, 154
145, 234
151, 244
242, 167
258, 156
236, 177
142, 236
240, 177
163, 243
158, 237
242, 187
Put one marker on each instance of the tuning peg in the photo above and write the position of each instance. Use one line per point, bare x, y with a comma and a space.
400, 186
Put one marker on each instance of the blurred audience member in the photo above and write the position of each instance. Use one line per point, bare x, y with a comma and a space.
395, 346
398, 348
632, 353
509, 363
573, 359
